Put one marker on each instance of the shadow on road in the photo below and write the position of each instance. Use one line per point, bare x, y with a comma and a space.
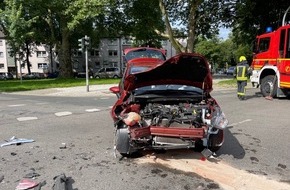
231, 146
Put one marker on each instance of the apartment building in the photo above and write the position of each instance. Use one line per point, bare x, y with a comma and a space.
3, 54
109, 53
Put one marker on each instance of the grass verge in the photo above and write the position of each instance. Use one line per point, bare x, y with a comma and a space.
25, 85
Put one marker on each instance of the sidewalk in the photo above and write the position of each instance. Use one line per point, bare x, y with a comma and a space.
79, 91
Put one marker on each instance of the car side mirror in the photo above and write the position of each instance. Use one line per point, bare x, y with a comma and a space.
115, 90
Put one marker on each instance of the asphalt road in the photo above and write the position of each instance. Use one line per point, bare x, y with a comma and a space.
255, 152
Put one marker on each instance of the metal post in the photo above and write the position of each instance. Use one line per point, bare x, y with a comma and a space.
87, 67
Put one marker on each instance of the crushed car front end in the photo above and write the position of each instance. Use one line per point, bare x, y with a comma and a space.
169, 107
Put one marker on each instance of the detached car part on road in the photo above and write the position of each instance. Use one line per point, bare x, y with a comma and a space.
168, 107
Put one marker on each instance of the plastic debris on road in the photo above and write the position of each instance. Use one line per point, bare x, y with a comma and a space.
26, 184
16, 141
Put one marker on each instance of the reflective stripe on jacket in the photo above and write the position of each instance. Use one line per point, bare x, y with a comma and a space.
242, 72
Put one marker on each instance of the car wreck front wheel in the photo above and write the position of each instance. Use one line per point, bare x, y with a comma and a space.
122, 142
214, 142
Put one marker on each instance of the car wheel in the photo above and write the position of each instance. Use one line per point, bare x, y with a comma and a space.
269, 86
215, 141
198, 146
115, 77
123, 142
97, 76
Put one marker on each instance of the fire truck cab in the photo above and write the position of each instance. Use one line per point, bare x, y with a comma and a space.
271, 62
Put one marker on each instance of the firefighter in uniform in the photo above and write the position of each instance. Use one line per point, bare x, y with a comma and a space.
242, 71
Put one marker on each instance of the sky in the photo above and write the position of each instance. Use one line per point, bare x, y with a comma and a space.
224, 32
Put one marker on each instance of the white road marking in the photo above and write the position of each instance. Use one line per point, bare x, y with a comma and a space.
244, 121
64, 113
17, 105
104, 98
26, 118
93, 110
42, 103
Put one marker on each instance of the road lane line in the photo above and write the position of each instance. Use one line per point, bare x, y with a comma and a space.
26, 118
93, 110
17, 105
240, 122
64, 113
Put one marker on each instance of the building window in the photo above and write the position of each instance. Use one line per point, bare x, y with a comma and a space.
112, 42
42, 65
77, 54
1, 42
95, 53
97, 64
113, 64
1, 65
113, 53
1, 54
41, 54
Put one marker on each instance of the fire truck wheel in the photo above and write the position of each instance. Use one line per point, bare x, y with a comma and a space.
268, 86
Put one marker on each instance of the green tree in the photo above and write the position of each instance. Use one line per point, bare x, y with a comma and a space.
54, 22
64, 19
193, 18
18, 25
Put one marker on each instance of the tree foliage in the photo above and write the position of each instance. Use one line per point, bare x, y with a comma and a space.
60, 19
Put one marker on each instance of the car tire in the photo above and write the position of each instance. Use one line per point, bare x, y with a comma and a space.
215, 141
269, 86
115, 77
123, 142
97, 76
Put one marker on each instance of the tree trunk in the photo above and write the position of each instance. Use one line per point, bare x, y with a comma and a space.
65, 55
177, 46
191, 26
27, 52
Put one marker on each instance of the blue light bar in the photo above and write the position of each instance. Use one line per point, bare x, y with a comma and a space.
269, 29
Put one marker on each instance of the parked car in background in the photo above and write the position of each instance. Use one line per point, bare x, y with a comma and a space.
53, 74
230, 70
6, 76
108, 72
168, 106
33, 76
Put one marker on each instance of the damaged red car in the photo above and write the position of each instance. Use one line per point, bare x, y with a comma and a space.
168, 106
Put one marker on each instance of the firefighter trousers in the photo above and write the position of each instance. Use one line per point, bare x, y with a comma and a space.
242, 88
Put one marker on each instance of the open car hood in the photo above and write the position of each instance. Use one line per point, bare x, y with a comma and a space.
184, 69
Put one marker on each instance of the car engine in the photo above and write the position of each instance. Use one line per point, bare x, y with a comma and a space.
182, 114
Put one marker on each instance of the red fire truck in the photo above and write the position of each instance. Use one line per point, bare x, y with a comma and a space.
271, 61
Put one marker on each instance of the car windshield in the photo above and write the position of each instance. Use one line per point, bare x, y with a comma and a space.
157, 89
141, 53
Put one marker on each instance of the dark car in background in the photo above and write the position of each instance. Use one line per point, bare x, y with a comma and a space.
108, 72
230, 70
168, 106
6, 76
